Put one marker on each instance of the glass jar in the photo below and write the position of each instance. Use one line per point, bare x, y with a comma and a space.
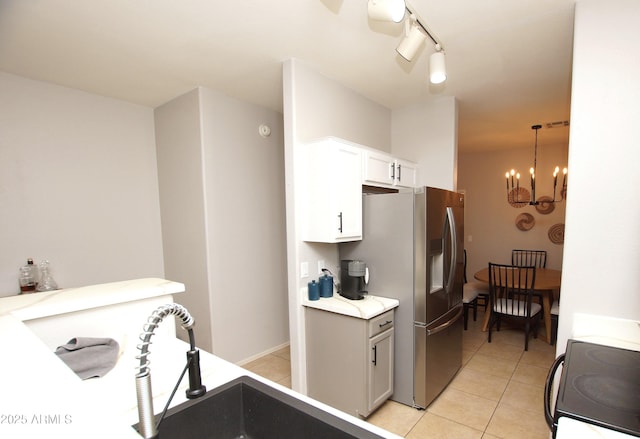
46, 280
28, 277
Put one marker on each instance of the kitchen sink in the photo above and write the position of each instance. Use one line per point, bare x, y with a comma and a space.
248, 409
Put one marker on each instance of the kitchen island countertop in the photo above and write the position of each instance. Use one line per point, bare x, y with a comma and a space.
42, 397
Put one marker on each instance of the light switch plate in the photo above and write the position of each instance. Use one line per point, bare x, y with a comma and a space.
321, 266
304, 269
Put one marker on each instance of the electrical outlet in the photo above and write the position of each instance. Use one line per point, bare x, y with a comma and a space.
304, 269
321, 266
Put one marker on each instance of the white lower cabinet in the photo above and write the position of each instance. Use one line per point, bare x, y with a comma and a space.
350, 360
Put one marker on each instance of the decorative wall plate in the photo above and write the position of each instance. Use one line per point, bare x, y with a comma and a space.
556, 233
545, 207
523, 197
525, 222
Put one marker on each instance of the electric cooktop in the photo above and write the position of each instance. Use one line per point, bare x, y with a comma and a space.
600, 385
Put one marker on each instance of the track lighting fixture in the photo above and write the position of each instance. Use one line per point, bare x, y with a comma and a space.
437, 68
415, 34
386, 10
414, 37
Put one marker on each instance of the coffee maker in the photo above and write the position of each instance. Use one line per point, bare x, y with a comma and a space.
354, 276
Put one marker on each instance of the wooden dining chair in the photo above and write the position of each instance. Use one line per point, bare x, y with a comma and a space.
511, 292
528, 258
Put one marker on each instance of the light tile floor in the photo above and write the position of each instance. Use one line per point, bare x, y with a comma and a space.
498, 393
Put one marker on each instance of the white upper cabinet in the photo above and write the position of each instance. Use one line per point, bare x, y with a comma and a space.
332, 193
380, 169
331, 178
406, 174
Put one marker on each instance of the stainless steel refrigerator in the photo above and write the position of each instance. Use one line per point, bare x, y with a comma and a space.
413, 246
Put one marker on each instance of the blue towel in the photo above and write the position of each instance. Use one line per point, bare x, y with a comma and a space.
89, 357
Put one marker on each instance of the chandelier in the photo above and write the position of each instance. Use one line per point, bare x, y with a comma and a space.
518, 196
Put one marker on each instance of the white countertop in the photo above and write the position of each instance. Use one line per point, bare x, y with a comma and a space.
367, 308
49, 303
42, 397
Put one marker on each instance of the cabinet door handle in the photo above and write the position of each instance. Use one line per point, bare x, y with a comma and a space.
381, 325
375, 355
340, 222
399, 172
393, 171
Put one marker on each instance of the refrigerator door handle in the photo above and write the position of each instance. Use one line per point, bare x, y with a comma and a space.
454, 249
445, 325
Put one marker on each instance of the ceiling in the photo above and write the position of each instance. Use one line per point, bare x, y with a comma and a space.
508, 62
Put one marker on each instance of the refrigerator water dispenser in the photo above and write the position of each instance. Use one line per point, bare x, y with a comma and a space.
437, 266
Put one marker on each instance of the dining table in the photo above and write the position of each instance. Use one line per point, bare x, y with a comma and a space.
547, 281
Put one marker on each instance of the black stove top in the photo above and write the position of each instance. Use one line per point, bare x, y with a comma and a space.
600, 385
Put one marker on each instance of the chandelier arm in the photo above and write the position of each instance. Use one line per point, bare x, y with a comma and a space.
555, 184
535, 164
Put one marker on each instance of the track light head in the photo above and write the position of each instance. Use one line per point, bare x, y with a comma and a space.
386, 10
415, 34
437, 67
412, 42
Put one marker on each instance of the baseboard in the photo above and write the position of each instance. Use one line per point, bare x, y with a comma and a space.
262, 354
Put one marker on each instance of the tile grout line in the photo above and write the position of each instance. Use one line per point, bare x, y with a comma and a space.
424, 412
502, 395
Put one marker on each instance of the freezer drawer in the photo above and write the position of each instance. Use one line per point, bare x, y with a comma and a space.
438, 356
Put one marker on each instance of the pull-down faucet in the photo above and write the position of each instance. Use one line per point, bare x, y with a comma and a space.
148, 427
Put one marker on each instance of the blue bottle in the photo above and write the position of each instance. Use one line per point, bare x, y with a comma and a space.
314, 290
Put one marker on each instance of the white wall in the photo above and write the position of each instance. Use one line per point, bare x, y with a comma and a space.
78, 185
245, 206
222, 197
427, 134
322, 107
316, 106
181, 180
601, 268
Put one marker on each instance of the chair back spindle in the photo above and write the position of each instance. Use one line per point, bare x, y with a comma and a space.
528, 258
